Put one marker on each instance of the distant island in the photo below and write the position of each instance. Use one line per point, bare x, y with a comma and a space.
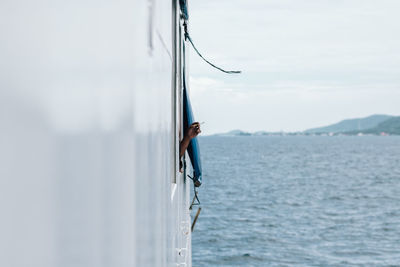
371, 125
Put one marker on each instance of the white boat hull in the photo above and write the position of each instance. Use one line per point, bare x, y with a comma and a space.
90, 114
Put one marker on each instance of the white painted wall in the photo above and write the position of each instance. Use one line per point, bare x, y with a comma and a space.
86, 134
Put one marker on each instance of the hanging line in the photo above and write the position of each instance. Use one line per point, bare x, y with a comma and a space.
195, 218
211, 64
196, 200
187, 36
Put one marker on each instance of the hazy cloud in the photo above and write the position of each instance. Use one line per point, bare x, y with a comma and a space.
305, 63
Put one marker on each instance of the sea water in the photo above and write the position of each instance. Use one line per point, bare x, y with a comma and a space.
299, 201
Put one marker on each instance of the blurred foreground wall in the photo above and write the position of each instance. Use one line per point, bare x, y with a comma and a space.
86, 133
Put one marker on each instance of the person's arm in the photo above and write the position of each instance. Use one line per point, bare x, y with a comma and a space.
193, 131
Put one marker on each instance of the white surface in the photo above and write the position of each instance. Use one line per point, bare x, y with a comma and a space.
86, 134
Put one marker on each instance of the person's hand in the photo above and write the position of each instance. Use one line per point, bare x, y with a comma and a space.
193, 130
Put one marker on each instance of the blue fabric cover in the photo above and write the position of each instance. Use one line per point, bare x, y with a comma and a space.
184, 9
194, 148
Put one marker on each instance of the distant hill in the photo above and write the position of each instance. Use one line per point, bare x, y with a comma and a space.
375, 124
234, 133
389, 126
352, 125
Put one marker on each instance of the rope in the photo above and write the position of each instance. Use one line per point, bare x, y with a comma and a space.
187, 36
195, 197
195, 218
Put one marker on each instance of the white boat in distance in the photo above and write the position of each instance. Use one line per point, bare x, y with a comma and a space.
91, 113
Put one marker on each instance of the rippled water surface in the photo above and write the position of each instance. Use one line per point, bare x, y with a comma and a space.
299, 201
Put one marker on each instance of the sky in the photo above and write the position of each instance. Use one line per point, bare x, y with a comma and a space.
305, 63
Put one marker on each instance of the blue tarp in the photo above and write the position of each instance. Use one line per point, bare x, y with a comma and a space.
194, 148
184, 9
